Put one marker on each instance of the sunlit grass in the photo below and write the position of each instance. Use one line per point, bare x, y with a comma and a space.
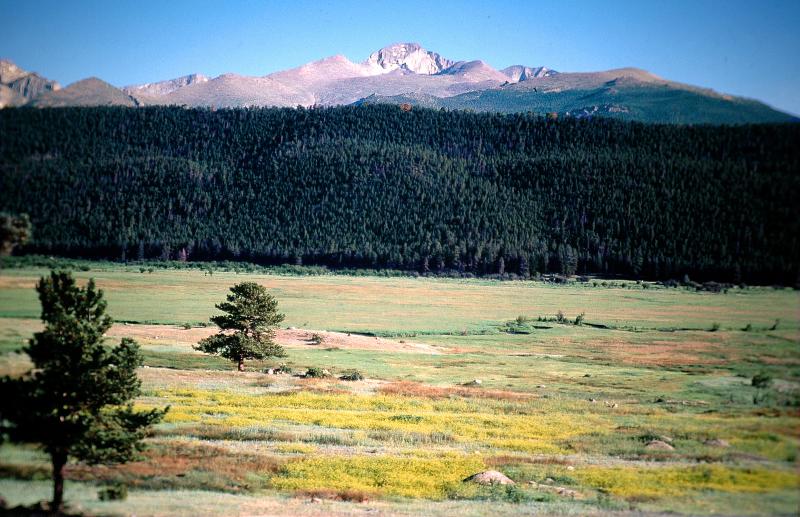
410, 477
484, 423
410, 304
555, 397
628, 482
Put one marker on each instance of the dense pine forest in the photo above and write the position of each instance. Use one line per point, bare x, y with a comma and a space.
423, 190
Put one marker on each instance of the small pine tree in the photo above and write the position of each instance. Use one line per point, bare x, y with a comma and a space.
252, 313
77, 400
14, 231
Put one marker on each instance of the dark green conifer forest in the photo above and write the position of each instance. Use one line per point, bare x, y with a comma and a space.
423, 190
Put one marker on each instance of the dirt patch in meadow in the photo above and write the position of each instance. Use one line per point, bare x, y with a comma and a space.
299, 338
290, 338
211, 379
17, 282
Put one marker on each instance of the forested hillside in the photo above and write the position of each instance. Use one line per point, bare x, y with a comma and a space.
426, 190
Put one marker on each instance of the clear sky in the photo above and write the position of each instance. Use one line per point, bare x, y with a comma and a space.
749, 48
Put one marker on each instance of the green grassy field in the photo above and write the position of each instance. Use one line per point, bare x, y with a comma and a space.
565, 410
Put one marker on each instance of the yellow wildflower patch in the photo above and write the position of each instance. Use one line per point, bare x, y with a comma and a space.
408, 477
484, 423
655, 482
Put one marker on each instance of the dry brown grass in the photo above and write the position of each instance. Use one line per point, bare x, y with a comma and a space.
177, 460
500, 460
416, 389
356, 496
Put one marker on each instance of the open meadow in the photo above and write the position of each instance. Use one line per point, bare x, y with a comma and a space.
595, 397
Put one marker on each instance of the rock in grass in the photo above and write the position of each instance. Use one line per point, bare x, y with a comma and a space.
716, 442
490, 477
658, 445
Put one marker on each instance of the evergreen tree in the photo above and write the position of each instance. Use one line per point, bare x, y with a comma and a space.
370, 186
77, 401
252, 314
14, 231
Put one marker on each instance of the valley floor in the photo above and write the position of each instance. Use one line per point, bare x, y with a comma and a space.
647, 406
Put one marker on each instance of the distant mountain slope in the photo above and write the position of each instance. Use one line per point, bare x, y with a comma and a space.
231, 90
87, 92
407, 72
628, 94
163, 87
9, 97
18, 86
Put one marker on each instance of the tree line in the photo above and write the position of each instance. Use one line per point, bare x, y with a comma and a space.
424, 190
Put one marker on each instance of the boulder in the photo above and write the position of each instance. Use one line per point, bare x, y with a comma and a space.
490, 477
658, 445
716, 442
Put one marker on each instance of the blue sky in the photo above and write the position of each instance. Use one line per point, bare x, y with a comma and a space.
744, 48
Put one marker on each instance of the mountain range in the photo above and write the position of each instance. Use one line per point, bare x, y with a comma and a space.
408, 73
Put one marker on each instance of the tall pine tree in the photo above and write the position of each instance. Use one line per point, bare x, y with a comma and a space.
77, 400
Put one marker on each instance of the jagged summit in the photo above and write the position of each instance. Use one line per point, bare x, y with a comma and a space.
519, 73
9, 71
164, 87
18, 86
408, 56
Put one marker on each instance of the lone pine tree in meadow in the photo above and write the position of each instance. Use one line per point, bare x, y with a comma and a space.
252, 314
76, 402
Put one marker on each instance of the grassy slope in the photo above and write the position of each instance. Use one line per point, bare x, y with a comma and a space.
411, 430
642, 103
394, 305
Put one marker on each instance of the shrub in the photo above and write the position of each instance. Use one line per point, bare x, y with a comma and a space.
353, 375
761, 380
748, 328
579, 318
316, 339
315, 372
283, 368
714, 327
116, 492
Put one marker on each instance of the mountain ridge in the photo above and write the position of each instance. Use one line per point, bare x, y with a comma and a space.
409, 73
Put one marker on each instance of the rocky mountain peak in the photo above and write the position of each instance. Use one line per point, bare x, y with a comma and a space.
165, 87
9, 71
519, 73
408, 56
24, 85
